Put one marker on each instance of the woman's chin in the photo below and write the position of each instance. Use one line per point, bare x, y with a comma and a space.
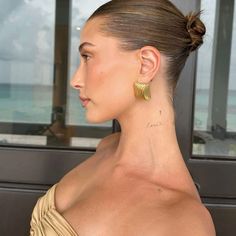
95, 119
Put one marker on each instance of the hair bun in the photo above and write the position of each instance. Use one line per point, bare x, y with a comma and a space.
196, 30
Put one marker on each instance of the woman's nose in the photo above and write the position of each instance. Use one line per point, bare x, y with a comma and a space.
76, 81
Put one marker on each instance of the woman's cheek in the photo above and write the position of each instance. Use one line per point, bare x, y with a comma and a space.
91, 74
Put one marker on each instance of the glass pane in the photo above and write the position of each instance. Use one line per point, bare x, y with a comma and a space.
37, 105
26, 61
215, 100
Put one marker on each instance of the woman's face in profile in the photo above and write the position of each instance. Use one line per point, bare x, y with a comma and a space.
105, 75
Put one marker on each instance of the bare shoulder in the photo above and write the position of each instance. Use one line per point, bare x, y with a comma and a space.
194, 218
185, 217
109, 139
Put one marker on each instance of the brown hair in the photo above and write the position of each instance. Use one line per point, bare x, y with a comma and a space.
157, 23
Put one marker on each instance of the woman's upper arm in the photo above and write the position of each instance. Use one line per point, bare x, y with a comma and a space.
195, 221
185, 220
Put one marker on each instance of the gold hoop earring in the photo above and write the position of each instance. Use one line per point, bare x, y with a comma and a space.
142, 90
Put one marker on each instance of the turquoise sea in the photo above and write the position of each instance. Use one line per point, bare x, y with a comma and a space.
33, 104
202, 110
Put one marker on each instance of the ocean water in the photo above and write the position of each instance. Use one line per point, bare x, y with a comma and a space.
202, 109
33, 104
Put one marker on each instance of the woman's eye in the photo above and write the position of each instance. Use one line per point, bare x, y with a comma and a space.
85, 57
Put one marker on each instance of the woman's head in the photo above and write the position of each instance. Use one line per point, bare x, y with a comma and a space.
157, 23
132, 40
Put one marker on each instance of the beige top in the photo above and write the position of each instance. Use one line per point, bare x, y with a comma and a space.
46, 220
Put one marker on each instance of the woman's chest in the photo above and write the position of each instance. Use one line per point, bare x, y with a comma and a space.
114, 209
95, 200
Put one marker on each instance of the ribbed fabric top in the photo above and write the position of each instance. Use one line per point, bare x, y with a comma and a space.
46, 220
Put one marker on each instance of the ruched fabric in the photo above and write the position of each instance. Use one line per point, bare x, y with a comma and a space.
46, 220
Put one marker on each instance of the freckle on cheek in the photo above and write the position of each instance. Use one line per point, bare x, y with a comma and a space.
101, 74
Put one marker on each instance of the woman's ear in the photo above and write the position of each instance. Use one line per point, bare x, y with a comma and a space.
150, 59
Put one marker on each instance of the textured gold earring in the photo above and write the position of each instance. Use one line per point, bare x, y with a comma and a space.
142, 90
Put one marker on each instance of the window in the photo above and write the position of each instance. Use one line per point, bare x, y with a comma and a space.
38, 56
215, 101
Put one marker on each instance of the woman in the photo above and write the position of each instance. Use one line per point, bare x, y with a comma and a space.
137, 182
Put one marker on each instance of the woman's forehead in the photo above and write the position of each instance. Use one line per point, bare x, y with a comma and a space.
92, 34
92, 27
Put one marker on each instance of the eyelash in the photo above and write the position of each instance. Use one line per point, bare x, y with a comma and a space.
85, 56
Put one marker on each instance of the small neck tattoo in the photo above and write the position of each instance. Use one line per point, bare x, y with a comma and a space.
156, 124
151, 125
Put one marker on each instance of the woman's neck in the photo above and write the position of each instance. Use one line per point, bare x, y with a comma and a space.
147, 136
148, 146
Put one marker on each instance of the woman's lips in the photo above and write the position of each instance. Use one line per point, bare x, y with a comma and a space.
84, 102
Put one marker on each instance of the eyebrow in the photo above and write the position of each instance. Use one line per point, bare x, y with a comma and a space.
85, 44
